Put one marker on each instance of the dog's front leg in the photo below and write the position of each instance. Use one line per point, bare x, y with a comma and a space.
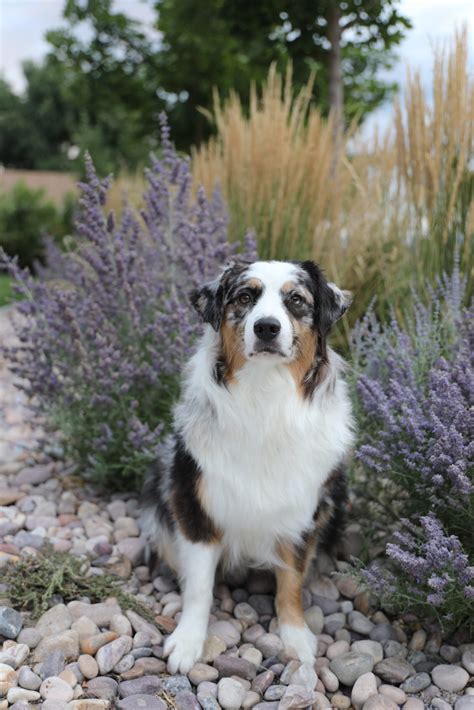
295, 634
197, 564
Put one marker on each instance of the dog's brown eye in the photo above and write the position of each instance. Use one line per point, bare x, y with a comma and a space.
296, 300
244, 298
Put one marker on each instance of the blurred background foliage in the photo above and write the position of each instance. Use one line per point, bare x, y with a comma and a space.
105, 92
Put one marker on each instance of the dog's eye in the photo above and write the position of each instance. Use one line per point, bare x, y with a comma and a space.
244, 298
296, 299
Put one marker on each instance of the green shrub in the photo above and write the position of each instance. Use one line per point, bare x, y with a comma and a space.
26, 215
35, 580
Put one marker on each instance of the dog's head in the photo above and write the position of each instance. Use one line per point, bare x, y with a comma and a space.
272, 310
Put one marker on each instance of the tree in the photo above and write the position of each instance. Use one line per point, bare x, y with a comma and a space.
35, 126
351, 40
13, 130
96, 94
105, 81
114, 82
225, 43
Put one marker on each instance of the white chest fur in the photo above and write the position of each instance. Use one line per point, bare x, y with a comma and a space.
263, 450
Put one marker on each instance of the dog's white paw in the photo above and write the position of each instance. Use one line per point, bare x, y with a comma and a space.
299, 641
183, 648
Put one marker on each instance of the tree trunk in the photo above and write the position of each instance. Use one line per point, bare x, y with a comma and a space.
336, 86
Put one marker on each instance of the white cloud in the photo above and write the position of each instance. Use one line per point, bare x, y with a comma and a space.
23, 24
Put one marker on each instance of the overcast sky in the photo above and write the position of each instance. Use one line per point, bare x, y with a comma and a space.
24, 22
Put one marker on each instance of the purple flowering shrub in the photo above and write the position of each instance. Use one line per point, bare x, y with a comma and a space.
414, 391
107, 328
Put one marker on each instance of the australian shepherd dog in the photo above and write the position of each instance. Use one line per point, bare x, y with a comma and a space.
254, 471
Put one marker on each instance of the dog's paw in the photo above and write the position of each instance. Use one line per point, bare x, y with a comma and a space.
300, 642
183, 648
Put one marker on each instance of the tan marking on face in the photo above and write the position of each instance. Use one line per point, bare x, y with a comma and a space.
233, 349
253, 283
297, 288
307, 347
288, 601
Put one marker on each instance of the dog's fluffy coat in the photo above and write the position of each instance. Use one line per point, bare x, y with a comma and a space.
253, 473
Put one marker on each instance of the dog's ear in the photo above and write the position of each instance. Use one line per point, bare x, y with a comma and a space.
209, 299
330, 302
209, 302
338, 302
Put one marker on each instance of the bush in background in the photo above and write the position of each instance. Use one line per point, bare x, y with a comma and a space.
108, 326
415, 390
379, 214
26, 216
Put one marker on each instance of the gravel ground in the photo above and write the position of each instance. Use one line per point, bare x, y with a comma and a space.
82, 656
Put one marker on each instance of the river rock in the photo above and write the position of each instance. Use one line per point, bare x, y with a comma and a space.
394, 670
269, 644
10, 622
230, 693
244, 612
186, 700
226, 632
101, 613
88, 666
201, 672
350, 666
360, 623
141, 702
296, 696
27, 679
363, 688
379, 702
147, 685
67, 642
315, 619
55, 688
373, 648
18, 695
416, 683
213, 647
451, 678
110, 654
233, 665
54, 621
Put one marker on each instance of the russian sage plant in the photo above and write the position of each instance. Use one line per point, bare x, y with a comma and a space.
107, 328
414, 393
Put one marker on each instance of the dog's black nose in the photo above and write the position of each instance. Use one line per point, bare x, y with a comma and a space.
267, 328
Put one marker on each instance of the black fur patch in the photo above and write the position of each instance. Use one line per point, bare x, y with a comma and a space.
219, 371
193, 520
303, 549
210, 299
329, 517
327, 309
152, 495
208, 302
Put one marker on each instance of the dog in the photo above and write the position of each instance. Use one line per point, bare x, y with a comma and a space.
254, 471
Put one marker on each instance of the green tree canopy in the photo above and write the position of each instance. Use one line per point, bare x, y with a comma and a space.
225, 43
104, 82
